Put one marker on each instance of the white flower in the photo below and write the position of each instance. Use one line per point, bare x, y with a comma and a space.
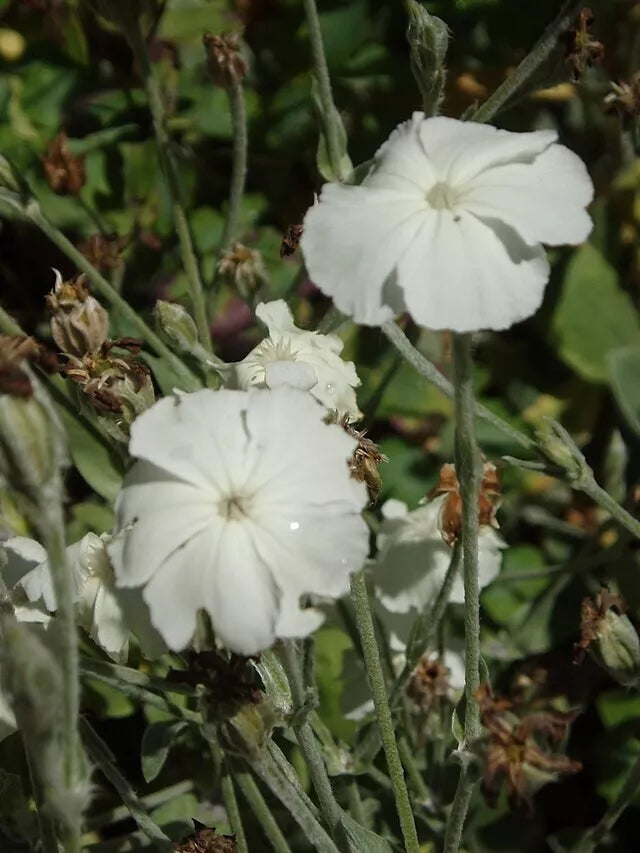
306, 360
448, 225
96, 607
241, 502
413, 559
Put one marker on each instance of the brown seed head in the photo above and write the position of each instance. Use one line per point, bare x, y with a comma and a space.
582, 50
593, 613
102, 252
243, 268
64, 172
625, 97
205, 840
429, 683
226, 64
79, 323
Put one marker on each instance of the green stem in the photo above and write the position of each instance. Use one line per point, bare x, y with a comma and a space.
229, 797
235, 93
167, 162
590, 840
539, 54
356, 808
415, 777
8, 325
425, 368
261, 810
468, 469
590, 487
375, 674
103, 758
331, 811
321, 70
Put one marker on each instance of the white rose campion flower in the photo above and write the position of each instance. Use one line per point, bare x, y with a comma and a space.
241, 502
413, 559
448, 225
304, 359
97, 609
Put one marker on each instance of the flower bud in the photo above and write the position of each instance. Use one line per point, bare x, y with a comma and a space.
226, 64
558, 446
243, 269
428, 39
79, 323
610, 637
175, 326
64, 173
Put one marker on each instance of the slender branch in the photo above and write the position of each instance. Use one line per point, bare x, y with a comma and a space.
8, 325
167, 162
261, 810
375, 674
590, 840
356, 808
590, 487
539, 53
235, 94
415, 777
321, 70
467, 458
331, 811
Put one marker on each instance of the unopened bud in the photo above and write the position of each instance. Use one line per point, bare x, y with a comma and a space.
244, 269
610, 637
558, 446
225, 62
79, 323
175, 326
64, 173
428, 39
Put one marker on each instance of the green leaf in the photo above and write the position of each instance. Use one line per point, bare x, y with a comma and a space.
617, 706
17, 820
157, 740
624, 375
593, 316
363, 840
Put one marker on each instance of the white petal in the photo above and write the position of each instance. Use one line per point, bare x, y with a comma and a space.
462, 149
109, 630
240, 594
277, 316
23, 555
401, 163
352, 241
544, 201
292, 373
464, 275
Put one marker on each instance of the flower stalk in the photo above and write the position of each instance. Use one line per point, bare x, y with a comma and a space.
259, 807
237, 107
375, 674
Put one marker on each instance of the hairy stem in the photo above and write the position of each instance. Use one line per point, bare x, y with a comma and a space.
538, 54
468, 469
590, 487
229, 796
235, 94
261, 810
375, 674
46, 825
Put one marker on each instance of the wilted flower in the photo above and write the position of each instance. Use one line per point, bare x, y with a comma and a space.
451, 511
64, 172
97, 609
625, 97
366, 457
307, 360
413, 558
205, 840
583, 50
519, 753
103, 253
607, 633
226, 64
447, 225
79, 323
244, 269
240, 503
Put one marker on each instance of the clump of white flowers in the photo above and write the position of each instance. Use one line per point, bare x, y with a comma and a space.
304, 359
240, 503
448, 225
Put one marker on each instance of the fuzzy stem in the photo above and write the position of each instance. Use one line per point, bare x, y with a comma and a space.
538, 54
356, 808
415, 777
261, 810
321, 71
590, 487
592, 838
103, 758
235, 94
46, 826
468, 469
229, 796
167, 162
375, 674
331, 811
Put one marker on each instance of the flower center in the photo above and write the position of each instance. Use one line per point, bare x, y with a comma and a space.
280, 351
234, 507
442, 196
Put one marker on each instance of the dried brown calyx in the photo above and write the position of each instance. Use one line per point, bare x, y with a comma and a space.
206, 840
366, 457
229, 680
15, 351
103, 253
429, 684
593, 613
583, 51
243, 268
227, 67
64, 173
451, 510
520, 752
79, 323
625, 97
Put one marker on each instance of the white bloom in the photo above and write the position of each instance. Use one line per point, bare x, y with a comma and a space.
413, 559
307, 360
96, 606
448, 225
241, 502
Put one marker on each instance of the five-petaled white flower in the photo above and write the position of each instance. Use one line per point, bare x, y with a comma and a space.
448, 225
97, 608
413, 559
241, 502
304, 359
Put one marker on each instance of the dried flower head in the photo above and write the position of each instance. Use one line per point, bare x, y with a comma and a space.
229, 680
15, 350
64, 172
519, 752
205, 840
290, 240
243, 268
583, 51
625, 97
609, 636
79, 323
364, 462
104, 253
429, 683
225, 62
451, 510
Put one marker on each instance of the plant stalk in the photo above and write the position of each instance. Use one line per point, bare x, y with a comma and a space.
261, 810
235, 93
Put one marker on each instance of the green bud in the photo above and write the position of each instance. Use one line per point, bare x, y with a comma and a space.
560, 449
175, 326
428, 39
251, 727
617, 648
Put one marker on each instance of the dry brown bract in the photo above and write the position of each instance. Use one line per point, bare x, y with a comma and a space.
519, 753
102, 376
205, 840
429, 684
103, 253
593, 612
451, 511
366, 457
625, 97
225, 62
64, 172
583, 51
